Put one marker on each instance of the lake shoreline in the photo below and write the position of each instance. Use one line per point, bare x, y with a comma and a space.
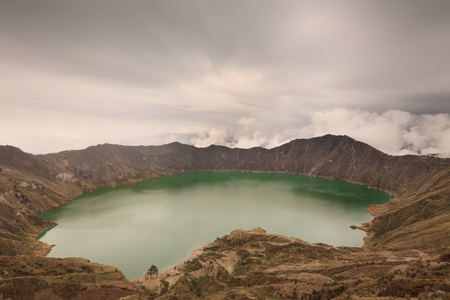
187, 185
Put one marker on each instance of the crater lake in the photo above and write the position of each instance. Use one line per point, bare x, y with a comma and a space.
160, 221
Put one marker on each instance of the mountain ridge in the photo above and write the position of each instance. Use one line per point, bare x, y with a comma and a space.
417, 217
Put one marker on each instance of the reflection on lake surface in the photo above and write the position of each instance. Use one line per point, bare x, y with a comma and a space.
160, 221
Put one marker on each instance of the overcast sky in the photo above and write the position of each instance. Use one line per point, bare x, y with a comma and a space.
237, 73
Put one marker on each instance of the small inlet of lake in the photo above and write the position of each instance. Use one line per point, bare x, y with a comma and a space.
160, 221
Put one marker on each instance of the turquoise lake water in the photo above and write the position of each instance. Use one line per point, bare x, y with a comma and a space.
160, 221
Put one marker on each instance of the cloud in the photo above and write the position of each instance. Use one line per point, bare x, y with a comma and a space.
214, 136
395, 132
76, 73
246, 122
246, 136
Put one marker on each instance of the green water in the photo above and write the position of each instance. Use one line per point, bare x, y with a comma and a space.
160, 221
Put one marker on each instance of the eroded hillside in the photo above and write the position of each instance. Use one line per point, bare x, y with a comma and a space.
256, 265
418, 218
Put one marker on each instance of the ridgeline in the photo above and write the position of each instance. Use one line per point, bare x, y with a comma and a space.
415, 224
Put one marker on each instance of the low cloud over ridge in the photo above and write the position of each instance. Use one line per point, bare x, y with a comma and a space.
395, 132
81, 73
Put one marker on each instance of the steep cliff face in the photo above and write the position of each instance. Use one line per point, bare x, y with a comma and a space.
417, 218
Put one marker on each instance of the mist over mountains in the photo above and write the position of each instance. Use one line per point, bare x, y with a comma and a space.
394, 132
164, 72
248, 86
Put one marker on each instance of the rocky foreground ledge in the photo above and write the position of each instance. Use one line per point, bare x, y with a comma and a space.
257, 265
30, 277
241, 265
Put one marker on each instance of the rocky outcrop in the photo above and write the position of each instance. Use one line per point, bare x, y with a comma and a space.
257, 265
417, 218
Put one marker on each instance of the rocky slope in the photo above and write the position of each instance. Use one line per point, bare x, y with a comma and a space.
257, 265
29, 277
417, 218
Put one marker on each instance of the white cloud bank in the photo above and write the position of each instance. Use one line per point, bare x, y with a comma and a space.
246, 136
395, 132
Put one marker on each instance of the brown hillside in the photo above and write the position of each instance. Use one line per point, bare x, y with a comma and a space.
418, 217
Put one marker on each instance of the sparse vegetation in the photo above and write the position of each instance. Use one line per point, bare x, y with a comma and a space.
153, 271
192, 265
414, 225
